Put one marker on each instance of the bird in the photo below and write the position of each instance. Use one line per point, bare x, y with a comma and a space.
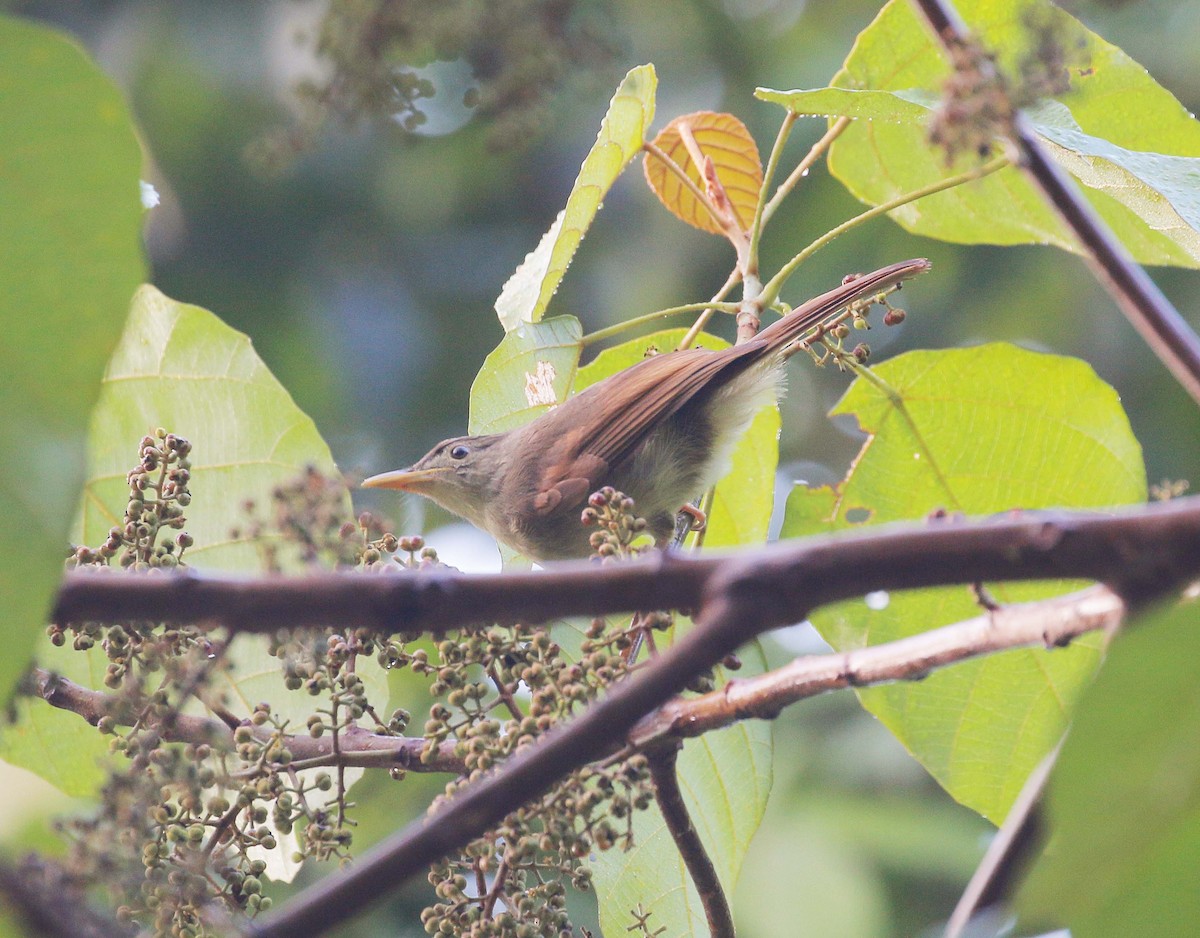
661, 431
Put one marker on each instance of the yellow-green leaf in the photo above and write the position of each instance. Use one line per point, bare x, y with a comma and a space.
1134, 148
179, 367
1123, 804
528, 291
530, 371
979, 431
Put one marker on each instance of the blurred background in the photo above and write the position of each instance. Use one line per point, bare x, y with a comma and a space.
363, 259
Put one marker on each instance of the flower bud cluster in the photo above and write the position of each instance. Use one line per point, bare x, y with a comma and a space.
614, 516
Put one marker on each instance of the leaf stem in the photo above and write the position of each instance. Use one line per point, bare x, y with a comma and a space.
802, 168
770, 291
756, 226
616, 329
711, 306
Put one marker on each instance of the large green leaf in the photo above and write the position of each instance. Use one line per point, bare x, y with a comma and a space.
180, 367
528, 291
978, 431
1130, 143
741, 509
1123, 805
725, 778
530, 371
70, 259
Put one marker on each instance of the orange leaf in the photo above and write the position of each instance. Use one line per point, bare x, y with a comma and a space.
724, 140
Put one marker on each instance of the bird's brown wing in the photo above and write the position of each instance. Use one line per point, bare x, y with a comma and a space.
652, 390
646, 394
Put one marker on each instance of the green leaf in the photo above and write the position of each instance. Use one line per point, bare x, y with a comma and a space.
529, 372
1126, 139
528, 291
977, 431
70, 258
179, 367
725, 778
742, 504
1123, 805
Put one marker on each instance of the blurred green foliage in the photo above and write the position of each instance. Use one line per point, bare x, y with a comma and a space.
70, 254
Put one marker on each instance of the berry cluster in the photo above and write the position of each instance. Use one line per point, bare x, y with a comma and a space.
504, 688
158, 494
980, 102
618, 526
188, 821
828, 343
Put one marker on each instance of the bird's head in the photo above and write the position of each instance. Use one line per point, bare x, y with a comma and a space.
460, 474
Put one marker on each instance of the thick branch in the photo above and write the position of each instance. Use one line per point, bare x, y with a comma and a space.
687, 841
1144, 305
1144, 552
434, 600
359, 748
1125, 550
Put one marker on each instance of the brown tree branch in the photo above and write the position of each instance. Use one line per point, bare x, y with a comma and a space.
429, 601
359, 747
1009, 852
1144, 305
687, 841
1051, 623
1142, 553
901, 556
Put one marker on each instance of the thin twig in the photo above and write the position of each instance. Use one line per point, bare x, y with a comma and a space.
1050, 623
505, 693
687, 840
360, 748
497, 890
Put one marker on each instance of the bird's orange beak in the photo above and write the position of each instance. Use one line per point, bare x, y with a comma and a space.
409, 480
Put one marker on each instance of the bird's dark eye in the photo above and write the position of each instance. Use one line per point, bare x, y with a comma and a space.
459, 452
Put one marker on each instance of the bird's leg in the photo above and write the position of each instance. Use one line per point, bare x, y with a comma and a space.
643, 632
640, 634
691, 519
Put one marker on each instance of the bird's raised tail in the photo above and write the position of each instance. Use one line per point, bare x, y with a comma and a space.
852, 290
